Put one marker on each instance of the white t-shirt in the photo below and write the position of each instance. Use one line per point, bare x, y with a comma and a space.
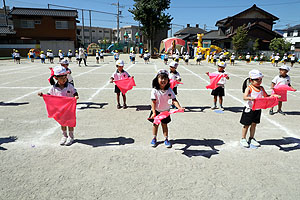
67, 91
50, 55
186, 57
222, 81
70, 53
120, 76
277, 57
97, 55
81, 53
163, 99
293, 58
61, 55
247, 56
285, 58
42, 55
16, 55
232, 57
101, 54
279, 80
76, 55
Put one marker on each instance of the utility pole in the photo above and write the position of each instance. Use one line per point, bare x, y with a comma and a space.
82, 28
90, 12
118, 22
5, 13
171, 29
204, 28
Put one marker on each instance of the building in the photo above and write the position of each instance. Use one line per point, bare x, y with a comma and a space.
189, 33
98, 35
292, 35
41, 29
258, 22
130, 31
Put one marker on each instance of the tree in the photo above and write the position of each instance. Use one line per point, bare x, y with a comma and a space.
240, 39
280, 46
150, 13
256, 45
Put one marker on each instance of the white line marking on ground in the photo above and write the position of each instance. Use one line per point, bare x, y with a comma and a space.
23, 79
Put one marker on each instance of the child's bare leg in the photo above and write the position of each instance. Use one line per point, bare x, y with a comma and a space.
165, 130
71, 132
154, 130
244, 131
118, 98
64, 131
279, 105
124, 99
221, 101
252, 130
215, 101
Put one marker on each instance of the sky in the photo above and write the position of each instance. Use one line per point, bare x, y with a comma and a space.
183, 12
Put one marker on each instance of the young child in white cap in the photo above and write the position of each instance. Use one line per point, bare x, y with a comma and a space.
17, 57
119, 74
232, 58
65, 63
174, 74
162, 97
63, 88
43, 57
70, 54
249, 117
293, 60
282, 79
219, 91
60, 56
276, 59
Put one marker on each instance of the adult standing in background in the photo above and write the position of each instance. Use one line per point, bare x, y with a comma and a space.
82, 56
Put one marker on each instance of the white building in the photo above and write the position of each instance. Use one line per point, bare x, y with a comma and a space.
130, 30
292, 35
99, 34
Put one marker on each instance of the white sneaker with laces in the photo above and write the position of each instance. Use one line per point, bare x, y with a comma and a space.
63, 140
253, 142
244, 143
69, 141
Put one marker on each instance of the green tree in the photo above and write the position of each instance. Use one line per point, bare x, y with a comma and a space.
150, 13
256, 45
240, 39
279, 45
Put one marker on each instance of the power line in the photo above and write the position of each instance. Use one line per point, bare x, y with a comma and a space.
97, 11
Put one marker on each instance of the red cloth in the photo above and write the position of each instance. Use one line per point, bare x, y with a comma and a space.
173, 83
214, 79
62, 109
52, 74
282, 91
125, 84
264, 103
163, 115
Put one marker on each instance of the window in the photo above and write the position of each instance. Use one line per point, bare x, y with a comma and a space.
62, 25
37, 21
86, 30
106, 31
295, 34
2, 16
100, 31
27, 24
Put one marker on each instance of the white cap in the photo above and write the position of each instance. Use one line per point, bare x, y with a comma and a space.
64, 62
162, 71
222, 64
254, 74
287, 68
173, 64
120, 63
277, 54
59, 71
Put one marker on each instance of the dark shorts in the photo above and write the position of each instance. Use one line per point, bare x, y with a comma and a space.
133, 59
31, 56
69, 56
276, 61
166, 59
248, 60
186, 60
43, 59
164, 121
175, 90
146, 58
97, 58
117, 90
250, 117
292, 62
215, 60
78, 59
101, 57
232, 61
176, 60
219, 91
17, 58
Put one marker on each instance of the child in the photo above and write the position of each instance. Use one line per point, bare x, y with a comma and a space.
285, 58
120, 74
272, 59
77, 56
276, 58
70, 54
43, 57
282, 79
146, 57
166, 58
51, 56
186, 58
162, 97
232, 58
219, 91
176, 57
132, 57
198, 59
47, 55
62, 88
60, 56
97, 57
17, 57
102, 56
65, 64
31, 55
248, 58
215, 59
250, 117
261, 58
14, 55
116, 55
293, 60
174, 74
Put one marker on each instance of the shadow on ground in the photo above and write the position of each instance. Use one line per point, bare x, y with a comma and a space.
192, 142
7, 140
91, 105
195, 108
292, 113
234, 109
12, 104
295, 142
141, 107
98, 142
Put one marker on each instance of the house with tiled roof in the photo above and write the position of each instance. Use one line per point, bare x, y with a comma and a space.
41, 29
258, 22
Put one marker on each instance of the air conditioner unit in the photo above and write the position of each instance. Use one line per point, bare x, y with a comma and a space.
11, 27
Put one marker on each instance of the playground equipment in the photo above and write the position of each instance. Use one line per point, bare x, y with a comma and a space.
173, 45
205, 51
92, 48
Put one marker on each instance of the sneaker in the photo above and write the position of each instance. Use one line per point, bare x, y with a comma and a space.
222, 108
244, 143
253, 142
125, 106
153, 142
118, 106
63, 140
280, 112
271, 112
215, 107
69, 141
168, 143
